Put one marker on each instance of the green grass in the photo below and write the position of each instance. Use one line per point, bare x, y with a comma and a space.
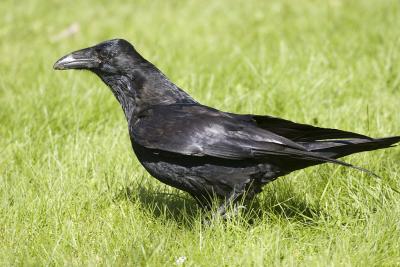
73, 193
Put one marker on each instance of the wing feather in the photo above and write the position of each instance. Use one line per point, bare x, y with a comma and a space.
301, 132
201, 131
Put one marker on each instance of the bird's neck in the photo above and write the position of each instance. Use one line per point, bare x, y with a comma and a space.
142, 89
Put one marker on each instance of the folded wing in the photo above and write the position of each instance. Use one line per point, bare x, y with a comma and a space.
298, 131
200, 131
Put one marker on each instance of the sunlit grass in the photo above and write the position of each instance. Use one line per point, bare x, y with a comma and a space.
73, 193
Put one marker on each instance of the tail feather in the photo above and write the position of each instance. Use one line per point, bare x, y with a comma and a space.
331, 150
341, 148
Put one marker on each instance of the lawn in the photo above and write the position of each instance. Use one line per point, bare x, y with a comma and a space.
73, 193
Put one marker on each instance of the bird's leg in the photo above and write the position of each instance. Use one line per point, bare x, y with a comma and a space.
221, 211
231, 201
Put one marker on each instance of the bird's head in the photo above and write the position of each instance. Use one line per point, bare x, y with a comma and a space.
109, 57
133, 80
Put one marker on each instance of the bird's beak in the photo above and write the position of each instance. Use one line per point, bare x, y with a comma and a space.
81, 59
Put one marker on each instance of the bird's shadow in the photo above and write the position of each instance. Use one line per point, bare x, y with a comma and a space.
287, 205
182, 209
173, 206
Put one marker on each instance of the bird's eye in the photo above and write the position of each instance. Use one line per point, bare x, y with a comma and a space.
103, 54
112, 54
106, 54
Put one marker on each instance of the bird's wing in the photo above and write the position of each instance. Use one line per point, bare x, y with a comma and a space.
201, 131
299, 132
198, 130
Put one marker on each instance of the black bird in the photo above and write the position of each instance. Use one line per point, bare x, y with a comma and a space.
199, 149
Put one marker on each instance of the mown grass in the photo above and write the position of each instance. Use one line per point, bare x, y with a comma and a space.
72, 192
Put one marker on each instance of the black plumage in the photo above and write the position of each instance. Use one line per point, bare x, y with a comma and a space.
199, 149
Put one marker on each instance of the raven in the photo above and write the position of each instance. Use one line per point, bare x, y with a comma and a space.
201, 150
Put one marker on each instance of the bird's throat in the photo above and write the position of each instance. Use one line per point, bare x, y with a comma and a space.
137, 92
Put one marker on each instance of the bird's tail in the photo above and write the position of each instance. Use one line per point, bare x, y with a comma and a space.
340, 148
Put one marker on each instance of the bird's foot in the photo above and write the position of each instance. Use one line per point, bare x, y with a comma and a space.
224, 213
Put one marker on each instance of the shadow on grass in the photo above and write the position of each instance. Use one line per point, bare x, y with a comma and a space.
274, 203
286, 203
177, 207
